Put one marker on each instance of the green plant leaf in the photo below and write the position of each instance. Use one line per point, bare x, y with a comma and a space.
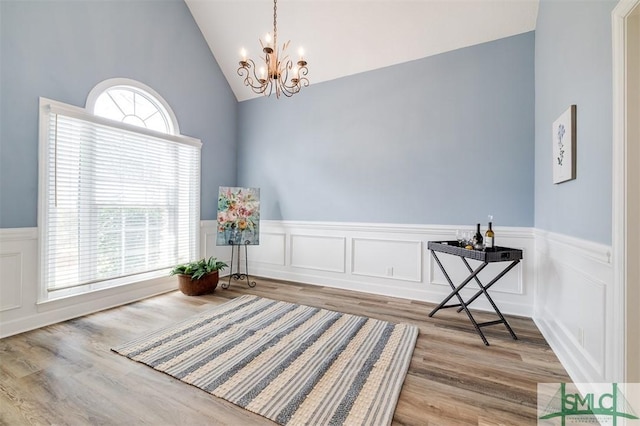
199, 268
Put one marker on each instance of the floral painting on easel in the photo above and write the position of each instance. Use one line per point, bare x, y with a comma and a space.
564, 146
238, 216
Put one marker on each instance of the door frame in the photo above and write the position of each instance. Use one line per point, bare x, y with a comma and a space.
624, 340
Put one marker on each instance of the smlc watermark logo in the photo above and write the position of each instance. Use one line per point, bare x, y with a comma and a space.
616, 404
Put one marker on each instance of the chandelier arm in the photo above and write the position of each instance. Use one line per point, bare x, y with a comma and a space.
247, 70
290, 89
285, 91
298, 81
283, 77
303, 71
293, 87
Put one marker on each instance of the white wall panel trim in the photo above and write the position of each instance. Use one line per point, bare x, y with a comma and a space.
19, 288
318, 252
588, 249
11, 267
564, 347
18, 234
387, 261
276, 242
574, 307
515, 232
584, 264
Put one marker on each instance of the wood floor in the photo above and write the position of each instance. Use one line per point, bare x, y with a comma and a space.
65, 374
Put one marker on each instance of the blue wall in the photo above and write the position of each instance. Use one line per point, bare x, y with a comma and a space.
573, 66
443, 140
446, 139
62, 49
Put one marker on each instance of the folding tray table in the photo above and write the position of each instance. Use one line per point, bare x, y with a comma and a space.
497, 254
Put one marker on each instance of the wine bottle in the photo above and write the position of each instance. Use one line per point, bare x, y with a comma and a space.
477, 239
489, 238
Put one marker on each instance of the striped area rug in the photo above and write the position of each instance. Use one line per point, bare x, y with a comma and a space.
293, 364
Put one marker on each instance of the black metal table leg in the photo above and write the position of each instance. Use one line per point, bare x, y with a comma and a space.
455, 289
483, 290
456, 293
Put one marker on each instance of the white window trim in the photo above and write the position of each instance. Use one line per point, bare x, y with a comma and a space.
51, 106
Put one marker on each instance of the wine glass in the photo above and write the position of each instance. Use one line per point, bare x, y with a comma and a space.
468, 237
460, 237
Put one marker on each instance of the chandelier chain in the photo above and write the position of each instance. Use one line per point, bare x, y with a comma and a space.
275, 25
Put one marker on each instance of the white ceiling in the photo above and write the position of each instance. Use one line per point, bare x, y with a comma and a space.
345, 37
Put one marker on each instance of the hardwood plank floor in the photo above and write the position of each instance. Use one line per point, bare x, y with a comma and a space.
65, 374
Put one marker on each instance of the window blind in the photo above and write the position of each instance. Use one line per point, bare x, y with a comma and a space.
118, 202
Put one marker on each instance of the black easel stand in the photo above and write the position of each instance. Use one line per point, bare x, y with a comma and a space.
237, 275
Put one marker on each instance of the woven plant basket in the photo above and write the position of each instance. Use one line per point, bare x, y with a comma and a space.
204, 285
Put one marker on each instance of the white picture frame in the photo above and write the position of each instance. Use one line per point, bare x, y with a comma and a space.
564, 146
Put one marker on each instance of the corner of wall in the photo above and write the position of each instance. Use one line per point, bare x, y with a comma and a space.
573, 304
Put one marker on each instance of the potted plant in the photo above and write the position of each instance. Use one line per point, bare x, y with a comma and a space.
198, 277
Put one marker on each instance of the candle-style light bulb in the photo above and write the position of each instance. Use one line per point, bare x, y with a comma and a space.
267, 47
243, 54
262, 72
301, 60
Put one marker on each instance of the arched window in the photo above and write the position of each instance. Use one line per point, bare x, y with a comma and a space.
120, 190
132, 102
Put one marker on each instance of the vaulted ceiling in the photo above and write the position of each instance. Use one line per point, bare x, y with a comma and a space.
345, 37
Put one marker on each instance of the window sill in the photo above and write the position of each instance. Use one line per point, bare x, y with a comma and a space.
111, 296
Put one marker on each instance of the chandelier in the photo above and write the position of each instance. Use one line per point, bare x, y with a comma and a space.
278, 74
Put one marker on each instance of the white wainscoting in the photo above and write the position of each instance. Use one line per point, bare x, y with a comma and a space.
381, 259
564, 283
304, 249
18, 263
574, 306
19, 307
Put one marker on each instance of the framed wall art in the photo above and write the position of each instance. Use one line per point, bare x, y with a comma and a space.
238, 216
564, 146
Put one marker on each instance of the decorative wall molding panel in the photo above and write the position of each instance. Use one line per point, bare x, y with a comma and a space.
370, 257
11, 267
19, 307
18, 270
564, 283
273, 252
382, 259
317, 252
574, 305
